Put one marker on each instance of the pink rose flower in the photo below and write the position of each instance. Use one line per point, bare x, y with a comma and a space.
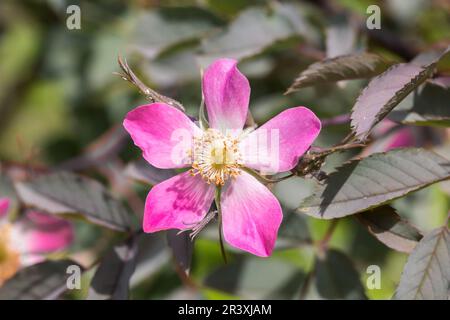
389, 135
27, 240
218, 157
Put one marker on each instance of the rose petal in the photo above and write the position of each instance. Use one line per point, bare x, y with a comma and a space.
164, 134
40, 233
402, 138
389, 135
227, 92
4, 207
251, 215
177, 203
278, 144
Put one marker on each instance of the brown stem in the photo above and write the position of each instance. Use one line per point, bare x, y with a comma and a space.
322, 245
337, 120
150, 94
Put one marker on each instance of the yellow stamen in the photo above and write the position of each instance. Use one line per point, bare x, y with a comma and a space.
9, 258
216, 157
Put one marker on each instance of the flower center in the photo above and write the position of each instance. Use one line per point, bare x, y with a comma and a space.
216, 157
9, 259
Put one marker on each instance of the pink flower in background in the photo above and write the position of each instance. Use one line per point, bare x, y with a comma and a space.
4, 206
251, 215
389, 135
27, 240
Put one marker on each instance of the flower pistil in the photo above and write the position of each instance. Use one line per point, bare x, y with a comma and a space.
216, 157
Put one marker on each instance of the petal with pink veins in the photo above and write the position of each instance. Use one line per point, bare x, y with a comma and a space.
163, 133
227, 92
251, 215
177, 203
278, 144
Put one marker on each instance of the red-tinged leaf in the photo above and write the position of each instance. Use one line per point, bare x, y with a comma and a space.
427, 106
346, 67
182, 248
385, 92
389, 228
68, 193
43, 281
143, 171
427, 272
112, 278
335, 277
373, 181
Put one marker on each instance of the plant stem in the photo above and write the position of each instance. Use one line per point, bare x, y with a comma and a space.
323, 243
219, 214
264, 179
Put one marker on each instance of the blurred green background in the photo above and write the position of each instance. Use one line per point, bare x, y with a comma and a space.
58, 94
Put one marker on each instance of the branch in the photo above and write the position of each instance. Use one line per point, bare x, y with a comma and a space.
337, 120
151, 95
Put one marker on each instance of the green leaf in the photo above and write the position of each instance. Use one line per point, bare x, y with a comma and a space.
68, 193
253, 278
143, 171
427, 272
383, 93
373, 181
112, 278
159, 30
389, 228
43, 281
346, 67
336, 278
426, 106
255, 30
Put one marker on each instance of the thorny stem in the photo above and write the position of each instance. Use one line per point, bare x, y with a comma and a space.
347, 146
151, 95
312, 161
264, 179
348, 138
